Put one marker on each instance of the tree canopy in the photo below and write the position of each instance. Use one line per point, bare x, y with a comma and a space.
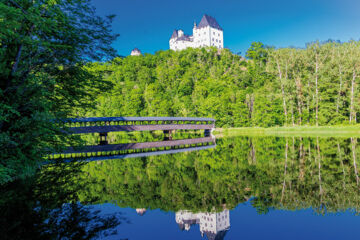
316, 85
45, 48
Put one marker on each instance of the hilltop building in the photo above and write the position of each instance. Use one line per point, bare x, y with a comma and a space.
135, 52
207, 33
213, 225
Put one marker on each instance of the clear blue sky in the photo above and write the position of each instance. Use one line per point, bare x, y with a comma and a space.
148, 24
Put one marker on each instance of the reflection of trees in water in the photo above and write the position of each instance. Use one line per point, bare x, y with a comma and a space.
46, 207
287, 173
353, 152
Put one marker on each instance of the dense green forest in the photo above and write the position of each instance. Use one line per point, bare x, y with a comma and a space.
273, 172
316, 85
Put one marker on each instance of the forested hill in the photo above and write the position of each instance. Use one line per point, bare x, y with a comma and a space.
273, 87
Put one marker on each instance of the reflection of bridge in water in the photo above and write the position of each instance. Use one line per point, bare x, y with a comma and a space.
130, 150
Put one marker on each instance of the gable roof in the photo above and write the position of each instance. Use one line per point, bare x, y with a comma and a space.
215, 236
209, 21
174, 34
184, 38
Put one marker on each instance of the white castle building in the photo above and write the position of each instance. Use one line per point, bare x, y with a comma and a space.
135, 52
213, 225
207, 33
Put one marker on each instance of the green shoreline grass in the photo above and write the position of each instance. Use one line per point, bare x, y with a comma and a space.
321, 131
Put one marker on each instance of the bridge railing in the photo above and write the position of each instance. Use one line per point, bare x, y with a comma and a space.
116, 121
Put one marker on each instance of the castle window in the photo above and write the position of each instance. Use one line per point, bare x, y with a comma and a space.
219, 34
216, 40
213, 33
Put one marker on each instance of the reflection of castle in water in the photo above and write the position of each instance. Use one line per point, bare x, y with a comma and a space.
213, 225
141, 211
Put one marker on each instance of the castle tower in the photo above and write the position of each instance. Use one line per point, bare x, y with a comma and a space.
135, 52
207, 33
214, 225
141, 211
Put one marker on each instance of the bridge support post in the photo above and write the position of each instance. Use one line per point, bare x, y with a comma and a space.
207, 132
167, 135
103, 138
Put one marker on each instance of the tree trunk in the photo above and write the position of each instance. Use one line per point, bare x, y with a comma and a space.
299, 98
302, 160
353, 150
316, 89
308, 102
250, 104
352, 116
342, 164
310, 157
285, 168
252, 153
319, 167
282, 90
340, 85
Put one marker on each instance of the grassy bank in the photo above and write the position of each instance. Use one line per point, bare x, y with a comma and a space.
325, 131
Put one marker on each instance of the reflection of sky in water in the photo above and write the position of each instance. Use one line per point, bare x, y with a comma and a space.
245, 224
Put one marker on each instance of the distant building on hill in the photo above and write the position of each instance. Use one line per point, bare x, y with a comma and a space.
207, 33
135, 52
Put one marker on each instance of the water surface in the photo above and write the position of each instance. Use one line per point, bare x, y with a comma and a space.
258, 187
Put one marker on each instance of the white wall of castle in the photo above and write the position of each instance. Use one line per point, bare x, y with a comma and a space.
135, 53
180, 45
208, 36
202, 37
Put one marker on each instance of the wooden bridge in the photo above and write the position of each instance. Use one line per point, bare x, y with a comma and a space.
104, 125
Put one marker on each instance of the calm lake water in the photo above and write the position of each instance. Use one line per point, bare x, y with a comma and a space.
240, 188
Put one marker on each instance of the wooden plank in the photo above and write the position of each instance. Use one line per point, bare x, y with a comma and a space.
143, 145
130, 128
